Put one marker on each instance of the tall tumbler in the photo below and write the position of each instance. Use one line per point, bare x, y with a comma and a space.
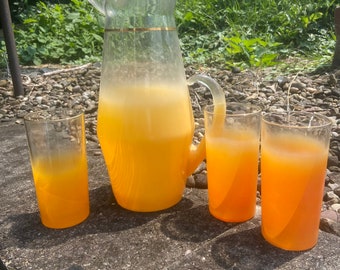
232, 146
58, 159
294, 151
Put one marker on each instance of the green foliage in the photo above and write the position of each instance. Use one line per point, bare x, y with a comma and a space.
243, 33
60, 33
255, 33
254, 52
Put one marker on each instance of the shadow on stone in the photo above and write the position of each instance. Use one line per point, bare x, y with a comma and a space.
249, 250
194, 225
106, 216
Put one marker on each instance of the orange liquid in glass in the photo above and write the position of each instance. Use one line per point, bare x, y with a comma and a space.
61, 184
232, 166
145, 135
293, 170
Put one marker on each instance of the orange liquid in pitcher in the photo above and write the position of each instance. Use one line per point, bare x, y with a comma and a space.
293, 173
232, 165
61, 184
145, 135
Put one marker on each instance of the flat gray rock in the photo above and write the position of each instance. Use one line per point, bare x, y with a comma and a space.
183, 237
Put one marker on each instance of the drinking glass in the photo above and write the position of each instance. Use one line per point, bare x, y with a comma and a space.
294, 151
232, 149
57, 147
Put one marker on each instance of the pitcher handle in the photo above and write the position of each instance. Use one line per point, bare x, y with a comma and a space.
197, 152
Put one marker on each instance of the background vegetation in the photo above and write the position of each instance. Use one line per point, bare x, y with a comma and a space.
223, 33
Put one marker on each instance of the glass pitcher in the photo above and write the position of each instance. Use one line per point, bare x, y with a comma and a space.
145, 120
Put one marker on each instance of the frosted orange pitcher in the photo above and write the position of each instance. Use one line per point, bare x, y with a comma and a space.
294, 151
232, 152
56, 141
145, 120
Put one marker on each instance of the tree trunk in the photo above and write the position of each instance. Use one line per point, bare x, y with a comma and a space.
336, 57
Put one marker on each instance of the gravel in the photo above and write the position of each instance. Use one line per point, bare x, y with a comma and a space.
49, 87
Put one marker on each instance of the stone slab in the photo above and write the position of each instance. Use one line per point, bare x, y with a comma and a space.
183, 237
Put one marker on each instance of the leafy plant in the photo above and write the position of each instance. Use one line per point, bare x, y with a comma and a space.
59, 33
254, 52
256, 33
244, 33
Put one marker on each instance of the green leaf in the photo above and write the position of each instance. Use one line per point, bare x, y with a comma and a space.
188, 16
